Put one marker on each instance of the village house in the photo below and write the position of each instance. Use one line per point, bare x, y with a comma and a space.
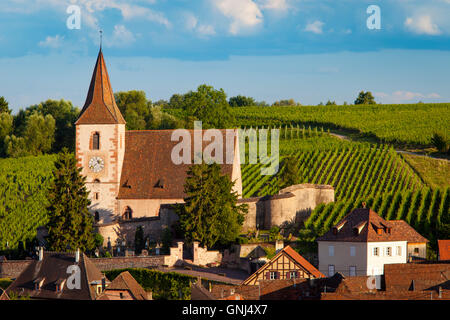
362, 243
124, 287
55, 276
410, 281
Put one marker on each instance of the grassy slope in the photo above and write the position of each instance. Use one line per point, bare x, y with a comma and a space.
435, 172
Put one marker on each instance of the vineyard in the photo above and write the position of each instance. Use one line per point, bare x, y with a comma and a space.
388, 123
23, 198
359, 172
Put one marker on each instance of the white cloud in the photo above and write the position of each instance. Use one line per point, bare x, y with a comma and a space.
243, 13
192, 24
422, 25
274, 5
206, 30
315, 27
121, 37
52, 42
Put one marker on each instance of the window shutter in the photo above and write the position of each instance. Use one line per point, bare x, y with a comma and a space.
277, 275
268, 275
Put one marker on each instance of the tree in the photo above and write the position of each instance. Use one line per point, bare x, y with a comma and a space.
6, 126
365, 98
210, 214
4, 106
70, 224
39, 133
241, 101
289, 175
134, 107
439, 142
15, 147
176, 101
139, 242
208, 105
330, 103
289, 102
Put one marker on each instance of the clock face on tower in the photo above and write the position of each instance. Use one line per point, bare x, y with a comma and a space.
96, 164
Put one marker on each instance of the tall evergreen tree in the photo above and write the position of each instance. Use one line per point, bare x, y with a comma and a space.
290, 173
210, 213
70, 224
139, 243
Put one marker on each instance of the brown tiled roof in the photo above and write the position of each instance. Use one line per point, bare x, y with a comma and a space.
100, 106
53, 268
444, 249
3, 295
125, 281
292, 254
370, 222
356, 284
148, 171
198, 292
426, 276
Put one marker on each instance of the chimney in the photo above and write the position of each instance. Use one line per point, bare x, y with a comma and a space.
103, 284
279, 245
41, 253
77, 256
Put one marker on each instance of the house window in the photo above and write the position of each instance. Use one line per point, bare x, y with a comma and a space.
293, 274
416, 250
96, 216
352, 271
399, 251
96, 141
331, 251
127, 214
121, 295
389, 251
96, 196
376, 251
330, 270
352, 251
273, 275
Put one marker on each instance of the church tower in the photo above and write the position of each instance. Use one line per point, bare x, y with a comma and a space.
100, 144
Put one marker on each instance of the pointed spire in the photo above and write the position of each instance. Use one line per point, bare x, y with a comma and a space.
100, 106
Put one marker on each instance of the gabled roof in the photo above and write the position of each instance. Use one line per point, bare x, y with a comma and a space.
198, 292
125, 282
362, 224
293, 256
444, 249
100, 106
148, 161
52, 269
3, 295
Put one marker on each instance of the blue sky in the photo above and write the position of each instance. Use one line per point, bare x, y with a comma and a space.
309, 50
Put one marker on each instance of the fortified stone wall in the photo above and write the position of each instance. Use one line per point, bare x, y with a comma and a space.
292, 204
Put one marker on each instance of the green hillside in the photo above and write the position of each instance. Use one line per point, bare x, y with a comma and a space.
23, 197
411, 124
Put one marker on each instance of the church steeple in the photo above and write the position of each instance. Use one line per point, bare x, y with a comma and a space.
100, 106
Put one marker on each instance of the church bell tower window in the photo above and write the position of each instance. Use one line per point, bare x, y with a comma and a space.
96, 141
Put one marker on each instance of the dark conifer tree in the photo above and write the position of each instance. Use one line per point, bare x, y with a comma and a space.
210, 214
70, 224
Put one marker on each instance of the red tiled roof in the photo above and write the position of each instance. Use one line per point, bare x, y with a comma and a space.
295, 257
125, 281
100, 106
444, 249
148, 171
370, 222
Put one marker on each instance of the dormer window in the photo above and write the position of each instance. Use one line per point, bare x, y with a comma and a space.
59, 285
96, 141
38, 283
160, 184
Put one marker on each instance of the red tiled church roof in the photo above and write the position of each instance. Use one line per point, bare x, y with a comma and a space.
363, 225
148, 171
100, 106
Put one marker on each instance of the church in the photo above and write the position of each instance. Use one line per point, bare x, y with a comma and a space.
133, 180
130, 174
